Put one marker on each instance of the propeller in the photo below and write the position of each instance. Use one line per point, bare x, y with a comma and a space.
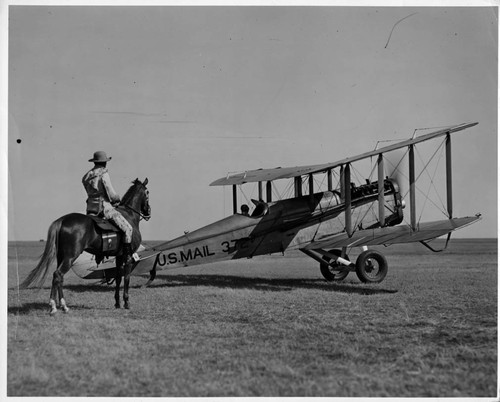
397, 167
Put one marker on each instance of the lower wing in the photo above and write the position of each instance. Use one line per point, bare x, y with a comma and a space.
393, 235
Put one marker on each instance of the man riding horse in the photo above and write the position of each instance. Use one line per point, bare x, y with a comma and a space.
102, 197
72, 234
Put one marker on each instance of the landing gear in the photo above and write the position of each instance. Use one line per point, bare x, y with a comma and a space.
371, 267
333, 271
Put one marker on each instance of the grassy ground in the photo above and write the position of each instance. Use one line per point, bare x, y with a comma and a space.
265, 327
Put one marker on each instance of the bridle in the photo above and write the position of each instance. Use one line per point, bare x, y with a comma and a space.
141, 215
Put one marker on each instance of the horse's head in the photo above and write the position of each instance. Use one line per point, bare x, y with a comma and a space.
137, 199
145, 207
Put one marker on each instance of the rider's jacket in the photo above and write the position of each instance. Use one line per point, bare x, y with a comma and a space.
99, 190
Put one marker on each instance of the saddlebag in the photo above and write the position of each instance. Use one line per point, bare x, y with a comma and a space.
109, 242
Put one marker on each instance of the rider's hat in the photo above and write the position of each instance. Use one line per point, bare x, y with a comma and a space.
100, 156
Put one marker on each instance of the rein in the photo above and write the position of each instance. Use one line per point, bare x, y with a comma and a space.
145, 217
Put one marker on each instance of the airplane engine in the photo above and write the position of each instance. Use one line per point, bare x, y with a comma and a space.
393, 202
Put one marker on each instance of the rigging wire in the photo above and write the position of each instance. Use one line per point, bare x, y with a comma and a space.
424, 170
431, 183
356, 174
319, 184
247, 200
275, 191
289, 189
369, 208
439, 148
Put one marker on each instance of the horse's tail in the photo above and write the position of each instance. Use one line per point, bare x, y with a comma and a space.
37, 276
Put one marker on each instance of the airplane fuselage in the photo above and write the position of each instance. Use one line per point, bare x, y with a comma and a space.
274, 227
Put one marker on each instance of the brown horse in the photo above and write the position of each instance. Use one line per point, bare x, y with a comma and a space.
74, 233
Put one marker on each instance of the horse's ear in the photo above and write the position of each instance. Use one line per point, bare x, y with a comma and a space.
145, 181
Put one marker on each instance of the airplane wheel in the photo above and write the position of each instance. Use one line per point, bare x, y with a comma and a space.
331, 272
371, 267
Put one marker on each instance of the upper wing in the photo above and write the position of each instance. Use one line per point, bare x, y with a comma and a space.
393, 234
253, 176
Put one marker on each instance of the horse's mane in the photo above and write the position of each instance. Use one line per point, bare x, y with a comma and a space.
130, 192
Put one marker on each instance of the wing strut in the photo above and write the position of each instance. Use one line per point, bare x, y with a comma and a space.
381, 205
298, 186
235, 200
449, 186
330, 181
426, 244
413, 209
347, 191
311, 185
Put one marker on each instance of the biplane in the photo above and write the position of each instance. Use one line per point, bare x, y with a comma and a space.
325, 225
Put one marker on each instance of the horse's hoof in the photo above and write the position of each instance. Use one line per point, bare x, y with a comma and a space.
53, 307
63, 306
117, 306
127, 306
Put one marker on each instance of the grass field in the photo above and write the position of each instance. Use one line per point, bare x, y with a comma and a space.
270, 326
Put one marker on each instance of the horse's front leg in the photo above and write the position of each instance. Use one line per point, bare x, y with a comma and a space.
118, 281
126, 283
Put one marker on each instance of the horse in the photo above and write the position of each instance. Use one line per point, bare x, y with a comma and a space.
74, 233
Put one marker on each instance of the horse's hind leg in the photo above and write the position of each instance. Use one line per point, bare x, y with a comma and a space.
64, 270
56, 292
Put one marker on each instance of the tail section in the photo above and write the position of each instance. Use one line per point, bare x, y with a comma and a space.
37, 276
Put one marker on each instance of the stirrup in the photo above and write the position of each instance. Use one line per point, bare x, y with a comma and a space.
107, 281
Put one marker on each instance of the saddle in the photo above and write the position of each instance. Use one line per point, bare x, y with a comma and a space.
110, 233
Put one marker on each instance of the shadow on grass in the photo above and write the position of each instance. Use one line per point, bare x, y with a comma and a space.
29, 308
83, 287
96, 287
218, 281
276, 285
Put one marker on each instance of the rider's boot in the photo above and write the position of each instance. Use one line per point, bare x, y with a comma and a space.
127, 253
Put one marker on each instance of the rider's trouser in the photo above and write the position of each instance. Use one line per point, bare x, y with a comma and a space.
119, 220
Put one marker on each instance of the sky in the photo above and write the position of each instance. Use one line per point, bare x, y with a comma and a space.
184, 95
